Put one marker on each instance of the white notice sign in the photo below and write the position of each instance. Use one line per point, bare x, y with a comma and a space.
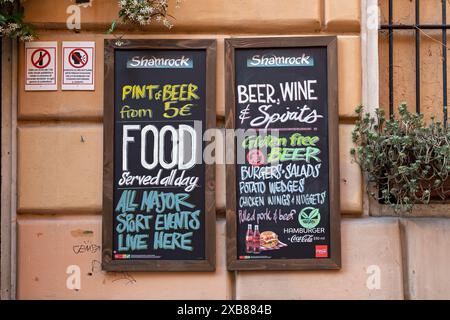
78, 65
41, 66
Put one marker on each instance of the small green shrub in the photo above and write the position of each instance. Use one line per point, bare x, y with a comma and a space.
408, 160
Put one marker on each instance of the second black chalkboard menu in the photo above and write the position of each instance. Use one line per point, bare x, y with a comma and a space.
283, 187
159, 195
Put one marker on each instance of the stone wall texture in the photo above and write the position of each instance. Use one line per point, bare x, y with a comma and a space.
60, 174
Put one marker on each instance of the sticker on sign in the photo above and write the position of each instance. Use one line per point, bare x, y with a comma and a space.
41, 66
78, 65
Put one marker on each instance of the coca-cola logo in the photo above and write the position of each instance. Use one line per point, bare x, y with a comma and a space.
321, 251
307, 238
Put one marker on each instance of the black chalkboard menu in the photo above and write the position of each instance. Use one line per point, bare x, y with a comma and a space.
159, 201
283, 201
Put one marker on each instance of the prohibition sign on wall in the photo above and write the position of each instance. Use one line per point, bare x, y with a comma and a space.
78, 58
41, 65
40, 58
79, 65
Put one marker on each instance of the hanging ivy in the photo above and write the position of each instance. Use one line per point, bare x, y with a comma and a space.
12, 24
143, 12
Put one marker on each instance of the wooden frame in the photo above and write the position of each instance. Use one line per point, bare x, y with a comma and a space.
108, 263
334, 261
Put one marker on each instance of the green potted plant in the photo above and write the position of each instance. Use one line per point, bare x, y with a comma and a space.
408, 160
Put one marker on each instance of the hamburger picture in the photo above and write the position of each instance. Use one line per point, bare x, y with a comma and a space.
269, 240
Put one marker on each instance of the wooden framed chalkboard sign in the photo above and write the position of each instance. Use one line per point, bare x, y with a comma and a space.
158, 194
283, 187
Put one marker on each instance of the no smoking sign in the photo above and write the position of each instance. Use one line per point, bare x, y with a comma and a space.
78, 67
